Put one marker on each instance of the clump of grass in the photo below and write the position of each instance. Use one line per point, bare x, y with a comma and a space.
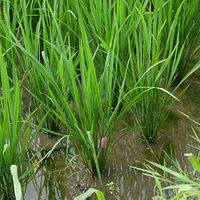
182, 183
36, 33
124, 58
146, 69
182, 29
137, 32
8, 26
11, 128
92, 119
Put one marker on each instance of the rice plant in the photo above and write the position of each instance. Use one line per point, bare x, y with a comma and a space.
109, 57
103, 20
146, 69
35, 30
38, 46
137, 50
88, 115
12, 127
182, 25
8, 25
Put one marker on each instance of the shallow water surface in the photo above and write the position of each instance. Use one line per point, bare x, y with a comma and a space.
53, 181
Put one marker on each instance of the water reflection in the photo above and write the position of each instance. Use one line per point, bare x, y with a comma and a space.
51, 179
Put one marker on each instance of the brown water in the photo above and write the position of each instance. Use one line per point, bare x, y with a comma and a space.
52, 181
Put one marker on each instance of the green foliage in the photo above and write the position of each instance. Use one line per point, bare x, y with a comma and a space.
84, 64
143, 35
182, 29
89, 115
184, 184
88, 193
11, 127
146, 69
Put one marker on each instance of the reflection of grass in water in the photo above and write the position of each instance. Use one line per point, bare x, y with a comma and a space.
166, 149
171, 120
194, 96
54, 178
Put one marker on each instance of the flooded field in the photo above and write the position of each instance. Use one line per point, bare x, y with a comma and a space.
53, 181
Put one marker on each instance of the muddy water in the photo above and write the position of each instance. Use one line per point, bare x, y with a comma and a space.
52, 181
